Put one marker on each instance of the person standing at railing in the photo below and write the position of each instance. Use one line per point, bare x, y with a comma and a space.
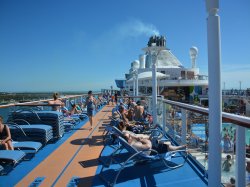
5, 136
56, 101
112, 99
138, 111
90, 103
116, 97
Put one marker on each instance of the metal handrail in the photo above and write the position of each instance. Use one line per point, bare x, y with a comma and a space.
46, 100
227, 117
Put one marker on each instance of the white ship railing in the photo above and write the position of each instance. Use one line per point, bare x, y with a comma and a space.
178, 128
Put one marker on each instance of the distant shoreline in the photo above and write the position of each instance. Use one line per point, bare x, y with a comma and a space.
16, 97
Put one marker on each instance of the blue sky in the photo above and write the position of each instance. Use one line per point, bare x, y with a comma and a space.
52, 45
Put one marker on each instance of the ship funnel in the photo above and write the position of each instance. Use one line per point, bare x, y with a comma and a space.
142, 59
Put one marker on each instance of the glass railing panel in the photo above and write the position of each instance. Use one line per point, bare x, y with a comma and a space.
149, 109
173, 122
168, 127
228, 140
159, 112
197, 137
228, 154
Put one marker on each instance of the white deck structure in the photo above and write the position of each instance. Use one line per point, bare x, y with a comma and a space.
170, 73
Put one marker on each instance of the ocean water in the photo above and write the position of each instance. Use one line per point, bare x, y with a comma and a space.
4, 112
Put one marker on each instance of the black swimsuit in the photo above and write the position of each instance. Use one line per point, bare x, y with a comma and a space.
3, 134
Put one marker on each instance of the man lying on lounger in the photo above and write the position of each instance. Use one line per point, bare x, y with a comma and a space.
142, 144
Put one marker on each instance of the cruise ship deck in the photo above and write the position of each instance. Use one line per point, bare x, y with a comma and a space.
73, 161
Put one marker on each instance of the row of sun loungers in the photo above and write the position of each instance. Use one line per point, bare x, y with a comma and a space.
31, 130
171, 160
114, 139
38, 133
51, 118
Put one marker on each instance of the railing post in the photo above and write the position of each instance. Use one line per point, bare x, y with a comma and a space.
240, 156
215, 99
134, 86
67, 103
164, 117
154, 87
137, 84
183, 125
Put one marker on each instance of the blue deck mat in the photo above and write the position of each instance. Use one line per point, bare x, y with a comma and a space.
149, 174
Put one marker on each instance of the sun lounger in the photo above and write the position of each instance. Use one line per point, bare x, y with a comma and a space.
27, 146
52, 118
140, 156
10, 156
1, 169
37, 133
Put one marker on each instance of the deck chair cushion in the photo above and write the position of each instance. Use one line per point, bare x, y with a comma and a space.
13, 156
27, 145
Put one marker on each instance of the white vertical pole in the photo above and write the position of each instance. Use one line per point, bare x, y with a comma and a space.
183, 126
137, 86
154, 87
134, 84
164, 117
215, 100
240, 156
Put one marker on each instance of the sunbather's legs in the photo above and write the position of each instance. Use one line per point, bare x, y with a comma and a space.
90, 115
175, 148
9, 145
91, 122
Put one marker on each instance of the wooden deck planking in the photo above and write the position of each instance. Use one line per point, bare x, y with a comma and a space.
69, 155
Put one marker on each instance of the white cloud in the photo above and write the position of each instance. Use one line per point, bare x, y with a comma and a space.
118, 39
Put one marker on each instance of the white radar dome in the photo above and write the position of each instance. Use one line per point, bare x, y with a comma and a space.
135, 64
193, 51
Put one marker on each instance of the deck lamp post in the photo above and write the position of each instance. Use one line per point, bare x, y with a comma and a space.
135, 82
153, 51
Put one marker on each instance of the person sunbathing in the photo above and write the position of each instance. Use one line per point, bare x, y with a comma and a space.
66, 111
143, 144
127, 129
5, 136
